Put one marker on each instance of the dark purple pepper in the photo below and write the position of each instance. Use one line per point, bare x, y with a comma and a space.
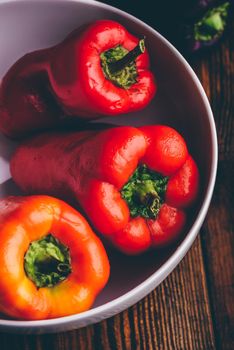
182, 21
206, 30
193, 8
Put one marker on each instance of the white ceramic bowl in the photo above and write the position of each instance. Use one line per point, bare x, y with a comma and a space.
26, 25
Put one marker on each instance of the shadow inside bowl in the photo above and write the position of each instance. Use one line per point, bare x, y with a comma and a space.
179, 103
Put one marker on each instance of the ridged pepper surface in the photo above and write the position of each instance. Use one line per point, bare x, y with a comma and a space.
98, 70
133, 183
51, 262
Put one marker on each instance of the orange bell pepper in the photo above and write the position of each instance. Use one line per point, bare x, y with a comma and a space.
51, 262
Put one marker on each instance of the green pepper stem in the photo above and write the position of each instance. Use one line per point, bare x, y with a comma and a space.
212, 24
47, 262
148, 196
144, 192
130, 57
145, 189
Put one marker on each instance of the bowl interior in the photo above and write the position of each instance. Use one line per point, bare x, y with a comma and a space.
26, 26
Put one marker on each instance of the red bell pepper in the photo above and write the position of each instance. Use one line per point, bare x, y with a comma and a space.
98, 70
132, 183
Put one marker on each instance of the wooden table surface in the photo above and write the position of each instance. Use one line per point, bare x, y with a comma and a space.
193, 308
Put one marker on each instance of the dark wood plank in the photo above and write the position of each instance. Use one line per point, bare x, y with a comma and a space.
176, 315
218, 250
216, 72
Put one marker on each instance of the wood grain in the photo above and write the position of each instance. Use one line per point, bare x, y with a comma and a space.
216, 73
218, 248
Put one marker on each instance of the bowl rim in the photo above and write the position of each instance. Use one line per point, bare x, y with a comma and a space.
137, 293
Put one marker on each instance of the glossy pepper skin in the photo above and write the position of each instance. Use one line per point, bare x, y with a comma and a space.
92, 168
69, 79
24, 220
